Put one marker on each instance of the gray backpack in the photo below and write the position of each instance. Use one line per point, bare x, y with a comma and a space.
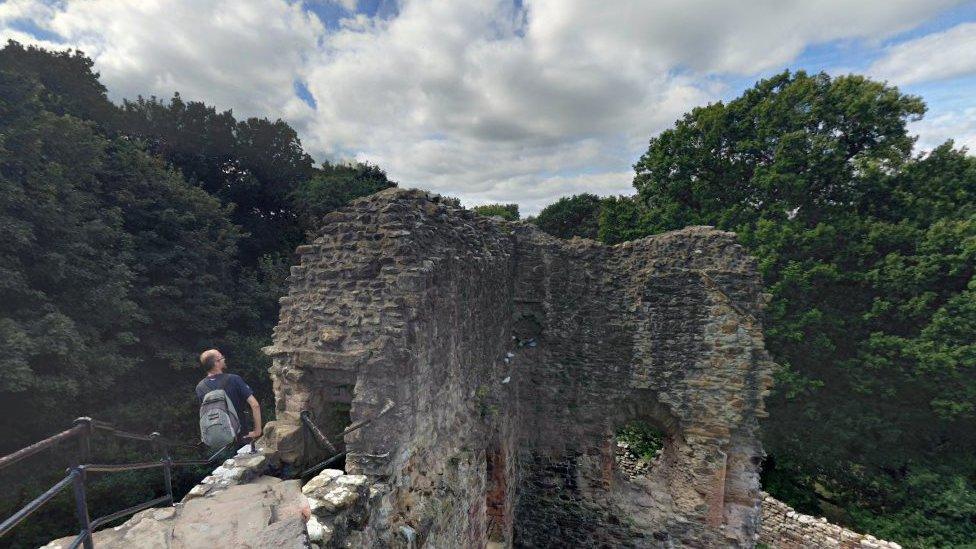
219, 424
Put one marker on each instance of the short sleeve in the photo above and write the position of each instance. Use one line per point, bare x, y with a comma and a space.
242, 387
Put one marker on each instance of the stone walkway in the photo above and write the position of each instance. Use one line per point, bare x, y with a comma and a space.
264, 513
236, 506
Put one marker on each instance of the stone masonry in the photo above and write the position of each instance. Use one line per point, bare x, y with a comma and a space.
784, 528
507, 360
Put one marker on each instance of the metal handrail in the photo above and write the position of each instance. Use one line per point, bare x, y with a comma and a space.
119, 467
40, 446
321, 465
76, 475
317, 433
309, 422
151, 437
36, 503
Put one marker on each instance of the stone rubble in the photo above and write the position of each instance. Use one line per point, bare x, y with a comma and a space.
240, 469
338, 505
632, 466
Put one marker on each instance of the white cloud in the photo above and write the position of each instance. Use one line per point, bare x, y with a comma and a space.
241, 55
473, 98
933, 57
715, 35
958, 125
476, 99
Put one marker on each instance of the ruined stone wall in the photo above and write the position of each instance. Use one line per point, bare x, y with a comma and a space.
404, 302
784, 528
661, 330
510, 359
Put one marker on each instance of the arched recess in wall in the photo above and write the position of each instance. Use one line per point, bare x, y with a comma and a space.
641, 450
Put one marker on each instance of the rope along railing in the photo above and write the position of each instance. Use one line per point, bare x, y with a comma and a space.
77, 473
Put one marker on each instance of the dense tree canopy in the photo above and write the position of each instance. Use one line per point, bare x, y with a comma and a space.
132, 238
793, 147
620, 220
64, 81
254, 164
67, 259
334, 185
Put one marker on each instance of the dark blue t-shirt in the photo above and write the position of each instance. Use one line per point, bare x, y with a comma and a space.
236, 389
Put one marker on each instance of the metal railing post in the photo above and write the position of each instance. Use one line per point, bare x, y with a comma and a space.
167, 463
84, 440
168, 476
81, 506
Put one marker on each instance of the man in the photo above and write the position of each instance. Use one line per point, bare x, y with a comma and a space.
214, 363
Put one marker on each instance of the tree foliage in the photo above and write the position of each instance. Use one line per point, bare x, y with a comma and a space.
577, 215
869, 255
333, 186
63, 82
509, 212
131, 238
67, 275
254, 164
620, 220
112, 260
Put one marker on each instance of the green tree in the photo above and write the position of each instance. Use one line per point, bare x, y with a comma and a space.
621, 220
112, 262
67, 311
115, 272
504, 211
253, 165
334, 186
66, 82
794, 146
577, 215
868, 254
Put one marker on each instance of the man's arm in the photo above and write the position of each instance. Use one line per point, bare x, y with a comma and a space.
256, 414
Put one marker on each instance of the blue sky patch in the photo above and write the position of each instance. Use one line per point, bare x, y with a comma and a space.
303, 93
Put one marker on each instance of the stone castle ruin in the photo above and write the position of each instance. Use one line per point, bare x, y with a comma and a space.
494, 364
475, 374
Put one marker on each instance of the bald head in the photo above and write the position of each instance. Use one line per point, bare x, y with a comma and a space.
212, 361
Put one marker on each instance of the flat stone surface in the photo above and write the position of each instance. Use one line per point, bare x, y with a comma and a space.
266, 513
334, 498
319, 481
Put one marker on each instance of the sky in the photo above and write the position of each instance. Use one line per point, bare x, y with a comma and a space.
520, 101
